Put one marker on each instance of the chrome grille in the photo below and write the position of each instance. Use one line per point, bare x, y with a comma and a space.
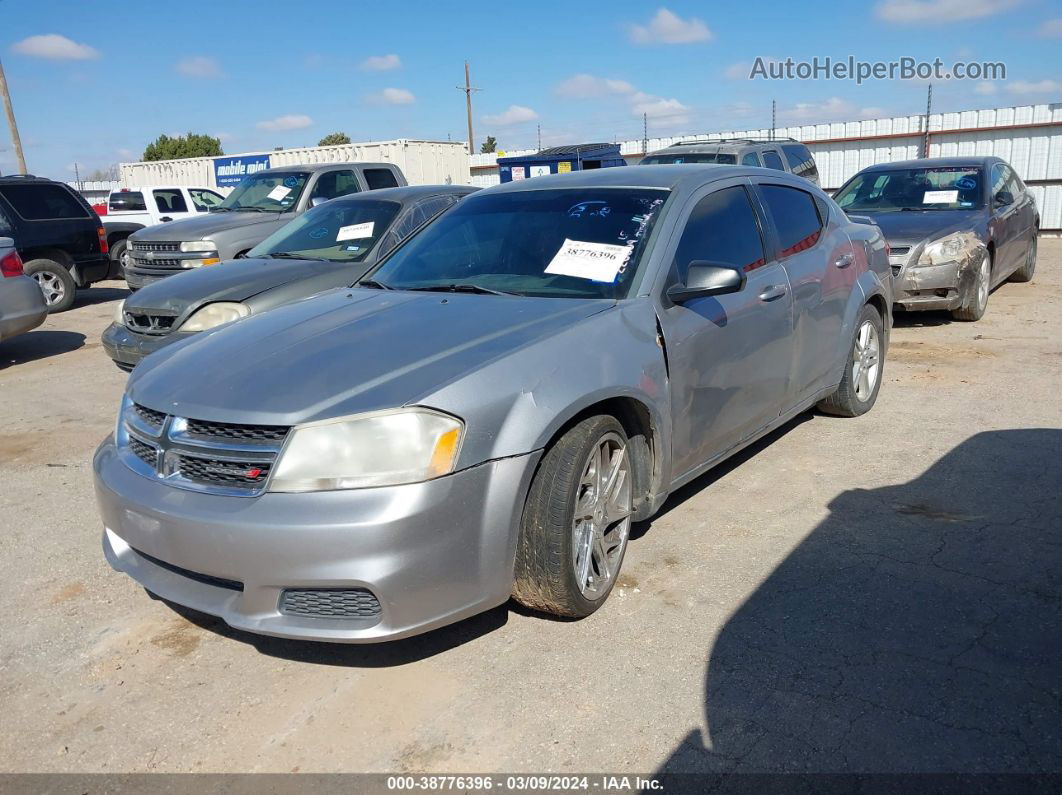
164, 263
152, 246
330, 603
200, 455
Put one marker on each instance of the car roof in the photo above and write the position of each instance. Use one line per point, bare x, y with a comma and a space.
936, 162
406, 194
726, 144
161, 186
322, 167
674, 177
23, 178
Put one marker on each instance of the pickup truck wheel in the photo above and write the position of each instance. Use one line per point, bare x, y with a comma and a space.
576, 521
55, 282
120, 254
862, 371
1028, 268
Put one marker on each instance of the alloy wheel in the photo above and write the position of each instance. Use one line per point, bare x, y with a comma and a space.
52, 286
984, 277
866, 360
602, 519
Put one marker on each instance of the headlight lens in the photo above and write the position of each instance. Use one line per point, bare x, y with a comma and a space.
215, 314
383, 449
194, 246
955, 246
119, 313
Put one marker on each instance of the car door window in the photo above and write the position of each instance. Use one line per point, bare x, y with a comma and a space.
204, 200
377, 178
796, 218
332, 184
750, 159
1013, 184
6, 227
772, 160
43, 201
170, 200
722, 228
999, 180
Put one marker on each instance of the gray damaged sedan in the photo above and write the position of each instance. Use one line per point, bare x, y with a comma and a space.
488, 411
329, 246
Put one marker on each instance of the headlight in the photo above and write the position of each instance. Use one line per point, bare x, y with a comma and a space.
119, 313
957, 245
194, 246
213, 315
382, 449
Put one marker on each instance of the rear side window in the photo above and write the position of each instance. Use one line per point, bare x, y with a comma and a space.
721, 228
170, 200
800, 161
377, 178
772, 160
750, 159
6, 228
43, 202
130, 200
796, 217
332, 184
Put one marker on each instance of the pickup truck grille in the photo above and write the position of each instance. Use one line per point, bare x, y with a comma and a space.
150, 246
199, 455
169, 264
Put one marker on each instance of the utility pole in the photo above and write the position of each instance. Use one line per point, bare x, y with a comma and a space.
468, 89
929, 109
774, 124
539, 137
645, 133
11, 122
77, 177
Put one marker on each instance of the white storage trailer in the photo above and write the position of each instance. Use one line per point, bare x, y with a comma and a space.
423, 163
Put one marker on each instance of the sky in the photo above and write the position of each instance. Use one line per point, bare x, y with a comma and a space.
93, 83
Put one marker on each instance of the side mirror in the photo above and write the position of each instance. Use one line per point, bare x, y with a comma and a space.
704, 278
1003, 198
317, 201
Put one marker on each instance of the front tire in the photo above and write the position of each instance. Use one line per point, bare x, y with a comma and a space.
576, 521
55, 282
1028, 268
863, 369
976, 302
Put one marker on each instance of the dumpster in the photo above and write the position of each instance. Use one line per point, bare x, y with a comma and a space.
560, 160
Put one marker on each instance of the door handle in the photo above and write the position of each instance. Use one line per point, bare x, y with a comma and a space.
773, 293
843, 261
165, 218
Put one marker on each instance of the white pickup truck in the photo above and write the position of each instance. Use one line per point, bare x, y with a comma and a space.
132, 209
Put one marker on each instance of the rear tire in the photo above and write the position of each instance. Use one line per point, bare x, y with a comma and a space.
863, 369
576, 521
1028, 268
55, 282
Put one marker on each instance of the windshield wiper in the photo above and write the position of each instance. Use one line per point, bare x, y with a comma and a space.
221, 210
296, 255
373, 284
459, 288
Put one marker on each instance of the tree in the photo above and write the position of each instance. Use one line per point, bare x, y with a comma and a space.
334, 139
489, 146
183, 146
109, 174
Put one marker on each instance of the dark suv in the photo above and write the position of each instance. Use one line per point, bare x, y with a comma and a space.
59, 237
781, 154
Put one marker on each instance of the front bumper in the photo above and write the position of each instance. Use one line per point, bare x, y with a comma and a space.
931, 286
22, 306
127, 348
137, 279
432, 553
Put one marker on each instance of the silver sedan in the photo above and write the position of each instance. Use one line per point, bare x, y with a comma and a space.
22, 306
487, 412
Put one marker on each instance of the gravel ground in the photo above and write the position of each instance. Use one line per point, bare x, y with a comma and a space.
879, 594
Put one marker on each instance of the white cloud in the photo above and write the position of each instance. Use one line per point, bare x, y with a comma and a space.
986, 88
668, 28
833, 109
667, 110
56, 47
1050, 29
127, 154
873, 112
393, 96
381, 63
743, 69
199, 66
584, 86
291, 121
942, 11
514, 114
1039, 87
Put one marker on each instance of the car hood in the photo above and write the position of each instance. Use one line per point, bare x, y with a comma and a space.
345, 352
911, 228
232, 280
205, 225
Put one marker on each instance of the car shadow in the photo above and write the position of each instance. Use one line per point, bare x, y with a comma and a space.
99, 295
349, 655
917, 629
39, 344
904, 319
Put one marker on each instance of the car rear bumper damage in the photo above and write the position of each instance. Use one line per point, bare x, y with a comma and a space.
345, 566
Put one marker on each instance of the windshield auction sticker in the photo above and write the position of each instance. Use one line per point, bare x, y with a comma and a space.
278, 193
355, 231
598, 262
940, 197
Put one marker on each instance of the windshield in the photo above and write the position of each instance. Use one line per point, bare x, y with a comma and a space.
338, 231
276, 191
913, 189
573, 242
690, 157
